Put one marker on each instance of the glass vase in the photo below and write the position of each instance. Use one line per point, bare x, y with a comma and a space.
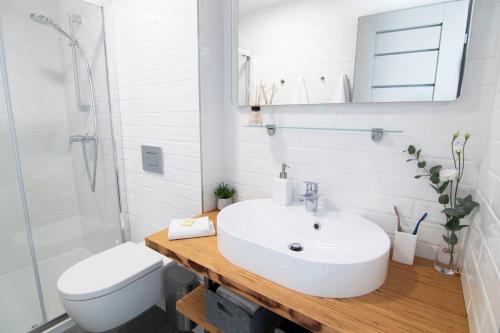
447, 256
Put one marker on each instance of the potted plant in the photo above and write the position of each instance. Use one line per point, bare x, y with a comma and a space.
224, 194
446, 183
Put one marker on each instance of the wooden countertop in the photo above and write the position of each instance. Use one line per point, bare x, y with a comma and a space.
413, 298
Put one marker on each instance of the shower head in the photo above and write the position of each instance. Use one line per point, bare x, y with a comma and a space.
42, 19
38, 18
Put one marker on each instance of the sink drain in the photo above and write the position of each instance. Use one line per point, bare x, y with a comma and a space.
296, 247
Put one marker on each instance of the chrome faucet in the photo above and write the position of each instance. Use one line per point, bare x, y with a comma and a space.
311, 196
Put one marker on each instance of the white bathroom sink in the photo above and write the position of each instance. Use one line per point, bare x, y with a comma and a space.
343, 254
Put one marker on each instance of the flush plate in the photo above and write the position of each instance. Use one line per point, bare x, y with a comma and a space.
152, 159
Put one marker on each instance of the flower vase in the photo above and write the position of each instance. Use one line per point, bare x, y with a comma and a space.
447, 255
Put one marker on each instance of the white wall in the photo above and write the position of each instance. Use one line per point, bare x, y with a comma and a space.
99, 210
354, 173
211, 55
481, 269
157, 66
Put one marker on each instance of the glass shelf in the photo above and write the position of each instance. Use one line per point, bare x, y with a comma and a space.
327, 128
376, 133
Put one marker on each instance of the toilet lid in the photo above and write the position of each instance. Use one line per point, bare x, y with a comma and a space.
107, 271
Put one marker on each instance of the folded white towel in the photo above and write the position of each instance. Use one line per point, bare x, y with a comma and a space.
186, 228
248, 306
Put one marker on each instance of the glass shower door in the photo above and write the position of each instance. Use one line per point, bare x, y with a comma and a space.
59, 219
20, 306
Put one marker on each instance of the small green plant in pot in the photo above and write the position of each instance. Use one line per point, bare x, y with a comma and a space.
446, 183
224, 194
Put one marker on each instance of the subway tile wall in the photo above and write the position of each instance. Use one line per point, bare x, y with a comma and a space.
99, 210
156, 44
355, 173
157, 78
481, 268
211, 57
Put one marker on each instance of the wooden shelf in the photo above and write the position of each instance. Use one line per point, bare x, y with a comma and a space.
193, 306
413, 298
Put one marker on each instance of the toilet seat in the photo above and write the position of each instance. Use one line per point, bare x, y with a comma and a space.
107, 272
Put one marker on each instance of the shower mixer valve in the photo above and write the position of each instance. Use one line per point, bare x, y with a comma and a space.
80, 139
83, 139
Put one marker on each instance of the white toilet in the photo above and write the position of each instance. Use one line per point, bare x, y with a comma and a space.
112, 287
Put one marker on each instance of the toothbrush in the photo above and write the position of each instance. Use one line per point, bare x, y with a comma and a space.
418, 224
399, 219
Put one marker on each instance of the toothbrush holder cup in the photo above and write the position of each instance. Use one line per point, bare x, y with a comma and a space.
404, 247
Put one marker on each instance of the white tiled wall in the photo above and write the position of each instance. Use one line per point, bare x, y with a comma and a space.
481, 269
156, 44
99, 210
211, 55
355, 173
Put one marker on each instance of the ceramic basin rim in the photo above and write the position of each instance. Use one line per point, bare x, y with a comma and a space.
300, 255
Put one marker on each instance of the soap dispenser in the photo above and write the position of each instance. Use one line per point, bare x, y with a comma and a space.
282, 194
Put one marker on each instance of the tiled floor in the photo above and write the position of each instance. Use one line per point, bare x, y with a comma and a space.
19, 307
152, 321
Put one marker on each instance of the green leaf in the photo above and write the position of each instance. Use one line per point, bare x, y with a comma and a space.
466, 205
453, 239
446, 239
224, 191
418, 153
435, 169
411, 149
435, 178
409, 160
443, 187
418, 177
435, 188
453, 224
444, 199
422, 164
453, 212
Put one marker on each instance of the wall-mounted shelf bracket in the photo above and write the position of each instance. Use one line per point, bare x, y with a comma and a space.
377, 134
271, 129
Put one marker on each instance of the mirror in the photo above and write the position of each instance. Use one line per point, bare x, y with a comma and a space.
349, 51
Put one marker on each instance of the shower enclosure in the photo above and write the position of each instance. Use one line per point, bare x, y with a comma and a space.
59, 197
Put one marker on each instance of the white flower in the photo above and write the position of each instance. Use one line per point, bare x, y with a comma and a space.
458, 146
447, 175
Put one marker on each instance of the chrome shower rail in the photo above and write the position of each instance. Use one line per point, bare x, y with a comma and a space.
91, 174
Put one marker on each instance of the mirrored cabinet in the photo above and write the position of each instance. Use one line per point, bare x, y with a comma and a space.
323, 51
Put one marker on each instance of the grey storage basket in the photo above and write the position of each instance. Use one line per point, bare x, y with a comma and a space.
229, 318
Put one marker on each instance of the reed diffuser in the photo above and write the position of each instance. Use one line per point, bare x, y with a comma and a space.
255, 117
260, 95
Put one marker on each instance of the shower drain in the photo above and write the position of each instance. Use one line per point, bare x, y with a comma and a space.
296, 247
